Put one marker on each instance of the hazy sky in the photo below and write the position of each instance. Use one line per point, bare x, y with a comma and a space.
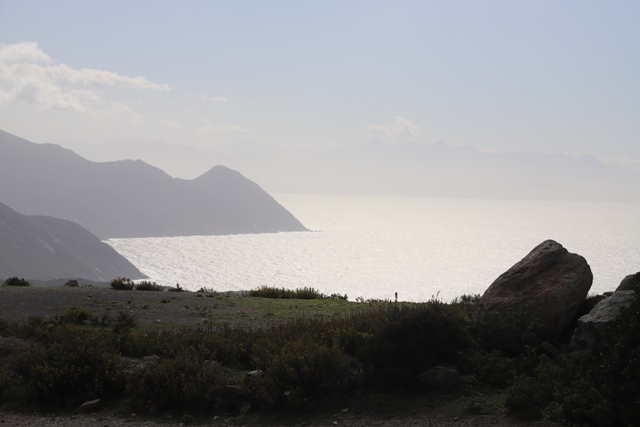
550, 76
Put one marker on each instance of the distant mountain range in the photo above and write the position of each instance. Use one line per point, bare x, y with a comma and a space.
131, 198
44, 248
405, 169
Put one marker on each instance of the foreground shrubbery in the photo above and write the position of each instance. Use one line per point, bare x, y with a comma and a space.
68, 365
379, 346
582, 388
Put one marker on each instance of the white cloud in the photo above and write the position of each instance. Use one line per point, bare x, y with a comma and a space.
171, 124
218, 99
29, 76
22, 52
209, 127
402, 129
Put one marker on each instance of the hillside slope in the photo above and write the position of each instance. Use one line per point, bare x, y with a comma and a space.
44, 248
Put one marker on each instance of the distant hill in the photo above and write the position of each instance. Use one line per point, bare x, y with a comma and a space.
131, 198
404, 169
44, 248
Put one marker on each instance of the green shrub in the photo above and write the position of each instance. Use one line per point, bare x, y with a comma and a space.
410, 345
298, 373
176, 289
527, 398
184, 382
123, 322
510, 333
207, 290
148, 286
122, 284
101, 320
564, 389
70, 366
492, 369
282, 293
74, 315
16, 281
71, 283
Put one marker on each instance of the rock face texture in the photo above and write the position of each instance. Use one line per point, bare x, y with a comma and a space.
590, 326
629, 282
549, 283
44, 248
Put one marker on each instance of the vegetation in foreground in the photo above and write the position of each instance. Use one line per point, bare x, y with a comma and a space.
293, 365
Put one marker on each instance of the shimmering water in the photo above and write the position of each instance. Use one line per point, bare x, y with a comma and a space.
375, 246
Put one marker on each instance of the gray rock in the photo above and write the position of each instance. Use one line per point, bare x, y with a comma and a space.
257, 373
629, 282
549, 283
590, 326
90, 406
444, 377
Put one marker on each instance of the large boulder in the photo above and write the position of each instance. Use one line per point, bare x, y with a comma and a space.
550, 284
591, 326
629, 283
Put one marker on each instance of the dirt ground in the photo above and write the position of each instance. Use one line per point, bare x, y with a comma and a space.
151, 309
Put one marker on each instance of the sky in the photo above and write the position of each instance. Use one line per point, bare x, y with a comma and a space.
549, 76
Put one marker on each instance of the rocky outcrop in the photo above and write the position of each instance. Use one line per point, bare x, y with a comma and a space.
550, 284
591, 326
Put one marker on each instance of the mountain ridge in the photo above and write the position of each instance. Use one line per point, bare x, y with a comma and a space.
408, 169
129, 198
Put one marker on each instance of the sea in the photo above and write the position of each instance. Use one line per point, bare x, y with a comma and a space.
374, 247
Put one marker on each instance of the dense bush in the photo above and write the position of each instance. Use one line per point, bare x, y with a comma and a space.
122, 284
410, 345
145, 285
492, 369
299, 372
16, 281
123, 322
74, 315
282, 293
71, 283
184, 382
564, 389
70, 365
582, 388
512, 333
